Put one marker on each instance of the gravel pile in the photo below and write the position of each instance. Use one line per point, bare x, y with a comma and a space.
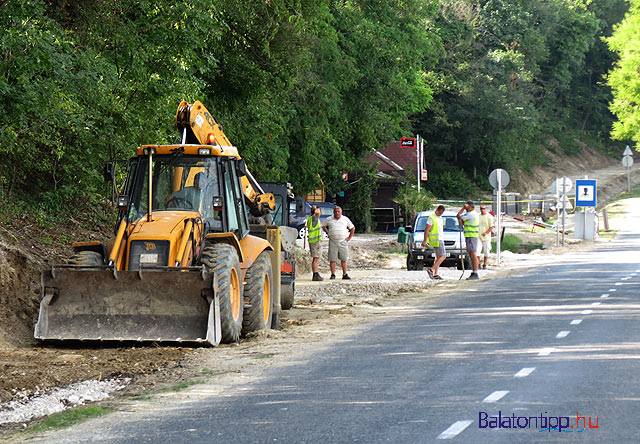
40, 404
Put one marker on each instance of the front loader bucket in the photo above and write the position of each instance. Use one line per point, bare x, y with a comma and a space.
101, 305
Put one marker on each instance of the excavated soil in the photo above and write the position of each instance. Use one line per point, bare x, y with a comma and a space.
323, 310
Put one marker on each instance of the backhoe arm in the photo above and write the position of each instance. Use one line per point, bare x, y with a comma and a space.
198, 126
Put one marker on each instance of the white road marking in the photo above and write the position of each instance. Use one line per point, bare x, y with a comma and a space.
595, 304
606, 295
524, 372
545, 351
587, 312
576, 321
626, 278
455, 428
612, 289
618, 283
563, 334
495, 396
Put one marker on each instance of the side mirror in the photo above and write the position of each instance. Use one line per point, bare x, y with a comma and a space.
109, 171
123, 202
408, 229
301, 211
241, 168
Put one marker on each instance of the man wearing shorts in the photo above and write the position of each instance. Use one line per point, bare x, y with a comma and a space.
469, 219
432, 236
314, 236
340, 231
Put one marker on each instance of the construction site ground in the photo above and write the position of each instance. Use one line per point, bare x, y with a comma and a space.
38, 379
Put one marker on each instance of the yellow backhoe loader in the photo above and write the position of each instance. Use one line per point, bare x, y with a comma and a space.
183, 266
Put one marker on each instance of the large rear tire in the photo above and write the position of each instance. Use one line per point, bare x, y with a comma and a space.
287, 295
222, 260
258, 295
88, 258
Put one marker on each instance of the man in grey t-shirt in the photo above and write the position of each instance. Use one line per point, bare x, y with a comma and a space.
340, 231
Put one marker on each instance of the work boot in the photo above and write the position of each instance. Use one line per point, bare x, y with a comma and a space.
317, 277
345, 276
333, 276
473, 276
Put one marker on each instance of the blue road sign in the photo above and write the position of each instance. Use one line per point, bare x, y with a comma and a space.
586, 193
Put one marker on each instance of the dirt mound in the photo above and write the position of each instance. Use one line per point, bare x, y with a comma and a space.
19, 296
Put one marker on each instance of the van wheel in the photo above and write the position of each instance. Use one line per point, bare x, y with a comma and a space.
287, 295
410, 264
258, 300
419, 265
222, 260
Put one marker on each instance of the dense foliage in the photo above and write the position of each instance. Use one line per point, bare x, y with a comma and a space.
302, 87
625, 77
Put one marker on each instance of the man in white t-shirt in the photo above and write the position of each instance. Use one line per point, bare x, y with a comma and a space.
340, 231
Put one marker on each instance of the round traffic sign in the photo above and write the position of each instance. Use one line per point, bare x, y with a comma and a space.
562, 185
627, 161
493, 178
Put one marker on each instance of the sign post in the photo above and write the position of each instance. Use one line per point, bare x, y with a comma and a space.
498, 179
561, 186
627, 161
418, 168
586, 196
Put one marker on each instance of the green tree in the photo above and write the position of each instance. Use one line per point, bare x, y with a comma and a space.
624, 79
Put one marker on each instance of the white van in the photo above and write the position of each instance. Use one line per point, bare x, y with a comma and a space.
418, 258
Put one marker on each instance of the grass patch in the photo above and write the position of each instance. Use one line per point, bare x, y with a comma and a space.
68, 418
609, 235
635, 192
509, 243
181, 386
264, 356
395, 251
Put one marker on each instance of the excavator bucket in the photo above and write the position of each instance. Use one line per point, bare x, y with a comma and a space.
100, 305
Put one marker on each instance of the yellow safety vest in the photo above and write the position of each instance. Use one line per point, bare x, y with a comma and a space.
471, 228
434, 234
314, 233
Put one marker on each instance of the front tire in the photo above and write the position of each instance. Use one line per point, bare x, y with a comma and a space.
222, 260
258, 300
88, 258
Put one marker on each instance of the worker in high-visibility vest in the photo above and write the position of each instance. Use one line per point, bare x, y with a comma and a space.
470, 220
314, 236
432, 235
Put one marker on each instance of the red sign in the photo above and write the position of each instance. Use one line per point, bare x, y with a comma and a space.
424, 175
345, 175
407, 142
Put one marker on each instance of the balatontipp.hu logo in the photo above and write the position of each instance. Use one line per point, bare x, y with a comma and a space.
542, 423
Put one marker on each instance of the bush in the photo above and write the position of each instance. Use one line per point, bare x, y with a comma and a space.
452, 184
509, 243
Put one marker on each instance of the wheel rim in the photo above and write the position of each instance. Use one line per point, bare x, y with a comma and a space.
235, 294
266, 306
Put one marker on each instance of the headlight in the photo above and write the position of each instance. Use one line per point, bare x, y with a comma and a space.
417, 245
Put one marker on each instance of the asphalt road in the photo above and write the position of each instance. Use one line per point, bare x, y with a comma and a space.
500, 362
